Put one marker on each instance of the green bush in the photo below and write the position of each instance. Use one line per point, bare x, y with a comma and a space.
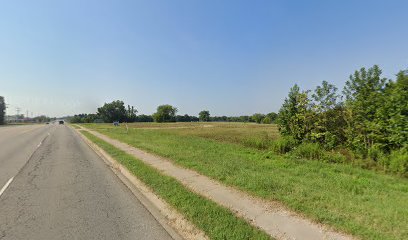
308, 151
315, 151
334, 157
267, 120
398, 162
375, 153
283, 145
384, 161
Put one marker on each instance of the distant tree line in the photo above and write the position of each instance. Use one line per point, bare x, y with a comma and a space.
117, 111
41, 119
370, 117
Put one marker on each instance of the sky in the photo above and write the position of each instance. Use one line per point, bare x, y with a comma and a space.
232, 57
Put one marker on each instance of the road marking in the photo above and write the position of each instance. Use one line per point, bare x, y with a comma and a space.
5, 186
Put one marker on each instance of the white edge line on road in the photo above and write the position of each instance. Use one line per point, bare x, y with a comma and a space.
5, 186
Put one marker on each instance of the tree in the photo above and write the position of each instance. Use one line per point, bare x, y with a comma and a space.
165, 113
328, 122
2, 110
394, 113
295, 114
114, 111
204, 116
272, 116
257, 117
364, 94
41, 119
131, 114
186, 118
84, 118
144, 118
267, 120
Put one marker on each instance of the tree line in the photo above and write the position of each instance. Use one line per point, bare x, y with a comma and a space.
117, 111
369, 117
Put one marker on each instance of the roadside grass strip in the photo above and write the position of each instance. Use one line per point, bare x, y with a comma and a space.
216, 221
364, 203
75, 126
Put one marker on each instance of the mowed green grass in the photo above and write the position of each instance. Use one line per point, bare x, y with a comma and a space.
216, 221
364, 203
246, 134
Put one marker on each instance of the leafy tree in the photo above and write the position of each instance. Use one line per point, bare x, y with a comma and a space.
131, 114
258, 117
394, 113
144, 118
373, 120
219, 119
41, 119
364, 97
186, 118
114, 111
240, 119
267, 120
294, 115
328, 122
84, 118
2, 110
165, 113
272, 116
204, 116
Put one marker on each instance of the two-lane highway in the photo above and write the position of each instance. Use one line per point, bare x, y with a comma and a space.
61, 189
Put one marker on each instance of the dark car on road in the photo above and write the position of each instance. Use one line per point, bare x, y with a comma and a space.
61, 122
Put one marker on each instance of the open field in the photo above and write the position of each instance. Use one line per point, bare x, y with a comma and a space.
246, 134
364, 203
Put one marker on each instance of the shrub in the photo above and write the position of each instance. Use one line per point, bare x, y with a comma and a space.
267, 120
398, 162
334, 157
283, 145
348, 154
309, 151
384, 161
375, 153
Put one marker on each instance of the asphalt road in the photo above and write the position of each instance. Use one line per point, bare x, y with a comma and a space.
61, 189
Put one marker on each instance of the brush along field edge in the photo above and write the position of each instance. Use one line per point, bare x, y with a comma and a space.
166, 215
272, 217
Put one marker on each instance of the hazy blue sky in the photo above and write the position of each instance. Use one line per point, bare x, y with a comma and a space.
230, 57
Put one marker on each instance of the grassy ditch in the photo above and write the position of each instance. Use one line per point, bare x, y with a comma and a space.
364, 203
216, 221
